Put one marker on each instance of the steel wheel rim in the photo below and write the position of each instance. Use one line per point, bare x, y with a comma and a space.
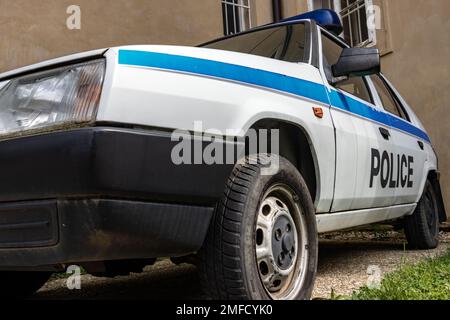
280, 211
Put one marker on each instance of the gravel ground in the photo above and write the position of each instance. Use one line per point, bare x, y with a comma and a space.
346, 262
344, 259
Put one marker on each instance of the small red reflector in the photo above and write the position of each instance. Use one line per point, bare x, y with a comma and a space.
318, 112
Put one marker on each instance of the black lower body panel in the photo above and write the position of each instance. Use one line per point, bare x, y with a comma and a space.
101, 193
101, 161
98, 230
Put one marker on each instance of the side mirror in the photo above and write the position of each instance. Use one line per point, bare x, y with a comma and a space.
357, 62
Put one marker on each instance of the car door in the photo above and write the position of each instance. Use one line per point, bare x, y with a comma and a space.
410, 155
360, 129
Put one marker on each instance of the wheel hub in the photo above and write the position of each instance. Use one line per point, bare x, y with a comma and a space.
283, 241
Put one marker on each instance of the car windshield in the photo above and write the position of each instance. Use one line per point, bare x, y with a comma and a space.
285, 43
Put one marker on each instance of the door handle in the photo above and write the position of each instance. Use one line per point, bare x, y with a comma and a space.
421, 145
385, 133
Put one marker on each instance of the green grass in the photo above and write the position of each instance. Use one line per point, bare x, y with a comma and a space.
428, 280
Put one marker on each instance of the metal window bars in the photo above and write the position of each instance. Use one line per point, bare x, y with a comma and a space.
236, 16
354, 19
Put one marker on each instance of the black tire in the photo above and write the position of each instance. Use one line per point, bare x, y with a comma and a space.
228, 266
422, 228
21, 285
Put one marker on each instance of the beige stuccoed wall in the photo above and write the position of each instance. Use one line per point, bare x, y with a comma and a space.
293, 7
419, 67
262, 12
32, 30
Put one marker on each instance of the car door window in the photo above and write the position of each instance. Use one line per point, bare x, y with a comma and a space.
356, 86
331, 50
390, 103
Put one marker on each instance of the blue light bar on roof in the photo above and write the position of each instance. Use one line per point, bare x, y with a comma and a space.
326, 18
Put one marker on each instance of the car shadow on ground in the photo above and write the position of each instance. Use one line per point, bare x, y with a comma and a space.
338, 252
166, 281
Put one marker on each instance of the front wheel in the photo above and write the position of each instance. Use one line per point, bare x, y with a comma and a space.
262, 243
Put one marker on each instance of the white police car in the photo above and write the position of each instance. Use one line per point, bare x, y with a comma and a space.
88, 174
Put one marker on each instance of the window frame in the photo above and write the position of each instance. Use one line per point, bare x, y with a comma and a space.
368, 4
399, 105
309, 37
236, 19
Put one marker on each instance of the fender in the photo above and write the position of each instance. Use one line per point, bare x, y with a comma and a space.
432, 174
296, 150
434, 177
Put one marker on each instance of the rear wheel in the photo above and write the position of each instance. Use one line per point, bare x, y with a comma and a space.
21, 285
422, 228
262, 243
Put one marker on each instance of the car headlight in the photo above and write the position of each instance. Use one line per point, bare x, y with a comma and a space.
60, 97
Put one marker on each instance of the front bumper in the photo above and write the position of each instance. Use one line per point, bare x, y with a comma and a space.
54, 232
106, 162
99, 194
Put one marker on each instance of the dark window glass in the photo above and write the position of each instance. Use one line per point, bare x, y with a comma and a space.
233, 26
363, 23
390, 103
354, 19
236, 16
331, 50
285, 43
347, 34
357, 87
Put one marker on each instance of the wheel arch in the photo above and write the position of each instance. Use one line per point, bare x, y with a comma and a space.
297, 147
434, 178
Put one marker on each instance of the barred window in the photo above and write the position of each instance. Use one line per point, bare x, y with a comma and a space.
236, 16
354, 20
353, 13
